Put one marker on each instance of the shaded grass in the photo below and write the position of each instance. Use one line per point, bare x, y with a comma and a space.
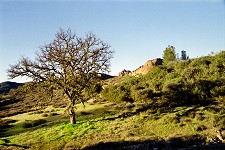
29, 124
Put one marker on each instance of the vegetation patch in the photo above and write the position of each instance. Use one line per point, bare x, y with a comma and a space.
33, 123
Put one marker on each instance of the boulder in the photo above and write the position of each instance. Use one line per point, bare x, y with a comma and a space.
147, 66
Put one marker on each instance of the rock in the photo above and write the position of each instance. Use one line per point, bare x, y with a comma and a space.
147, 66
142, 69
124, 72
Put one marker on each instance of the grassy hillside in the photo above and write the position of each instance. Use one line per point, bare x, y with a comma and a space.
180, 105
184, 82
115, 126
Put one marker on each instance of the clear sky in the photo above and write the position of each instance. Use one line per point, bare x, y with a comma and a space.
137, 30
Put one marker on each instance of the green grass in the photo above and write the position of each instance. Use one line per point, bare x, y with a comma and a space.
104, 123
28, 118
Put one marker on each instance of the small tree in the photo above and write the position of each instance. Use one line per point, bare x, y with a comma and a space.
169, 54
183, 55
69, 62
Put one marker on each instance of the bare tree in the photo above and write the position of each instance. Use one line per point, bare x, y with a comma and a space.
69, 62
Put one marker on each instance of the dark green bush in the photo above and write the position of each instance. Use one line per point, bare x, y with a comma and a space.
156, 78
53, 114
202, 88
201, 128
191, 115
161, 110
218, 91
98, 88
191, 73
44, 115
214, 110
116, 93
141, 94
219, 121
38, 122
174, 120
178, 94
85, 113
27, 125
199, 116
93, 90
39, 112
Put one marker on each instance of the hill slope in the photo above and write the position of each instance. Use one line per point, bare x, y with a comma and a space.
5, 87
174, 106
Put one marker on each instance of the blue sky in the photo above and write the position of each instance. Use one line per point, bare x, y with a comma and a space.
136, 30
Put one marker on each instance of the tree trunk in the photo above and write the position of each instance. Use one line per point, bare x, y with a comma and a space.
72, 116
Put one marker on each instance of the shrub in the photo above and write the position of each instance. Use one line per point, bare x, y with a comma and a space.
201, 128
214, 110
27, 125
191, 115
39, 112
44, 115
38, 122
219, 121
218, 90
97, 88
156, 77
53, 114
178, 94
199, 116
116, 93
161, 110
140, 94
85, 113
191, 73
202, 88
172, 119
93, 90
186, 121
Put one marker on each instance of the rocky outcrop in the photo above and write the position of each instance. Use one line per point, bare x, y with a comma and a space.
142, 69
147, 66
124, 72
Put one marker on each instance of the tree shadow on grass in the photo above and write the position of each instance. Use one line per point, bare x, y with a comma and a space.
7, 146
6, 102
31, 125
160, 110
195, 142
